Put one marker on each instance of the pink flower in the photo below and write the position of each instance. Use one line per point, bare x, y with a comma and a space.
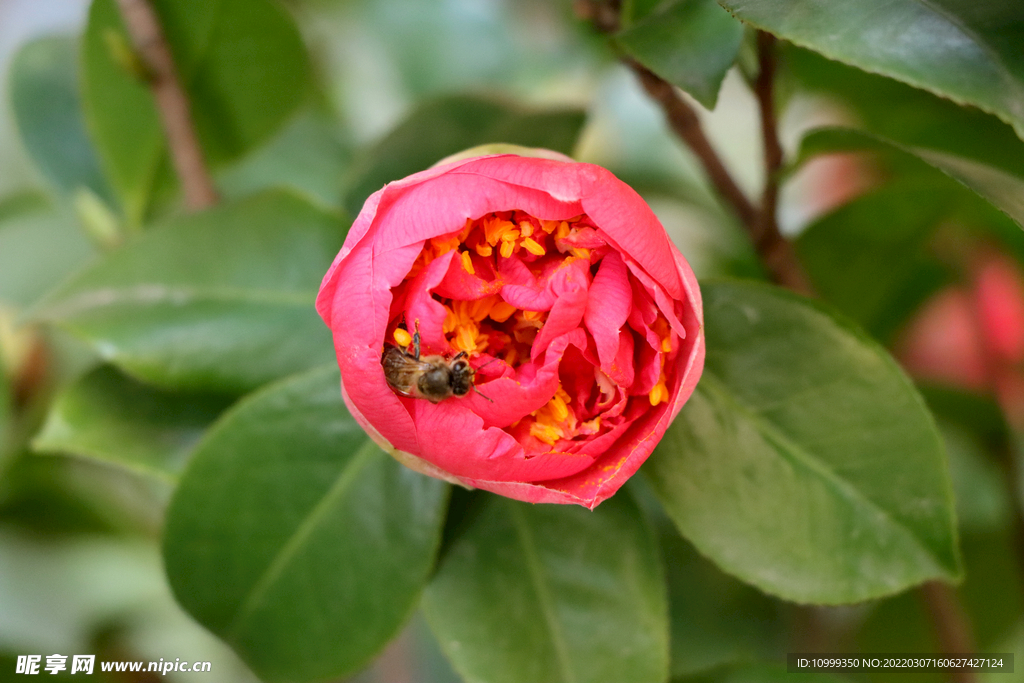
581, 319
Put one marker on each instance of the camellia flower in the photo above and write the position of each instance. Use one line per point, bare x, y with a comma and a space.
580, 318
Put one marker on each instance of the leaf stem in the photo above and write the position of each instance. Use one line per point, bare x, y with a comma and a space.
171, 102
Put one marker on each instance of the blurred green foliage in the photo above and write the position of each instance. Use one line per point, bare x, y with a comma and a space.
166, 383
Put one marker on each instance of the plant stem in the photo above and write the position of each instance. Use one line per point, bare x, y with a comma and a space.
951, 625
171, 102
684, 123
775, 251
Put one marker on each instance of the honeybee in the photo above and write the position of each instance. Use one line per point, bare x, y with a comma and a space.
434, 378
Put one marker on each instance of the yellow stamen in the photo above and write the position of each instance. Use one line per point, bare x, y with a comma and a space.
580, 252
465, 339
666, 345
502, 311
559, 410
659, 394
484, 249
532, 315
402, 337
546, 433
467, 263
526, 228
533, 246
507, 248
548, 226
511, 357
563, 231
510, 236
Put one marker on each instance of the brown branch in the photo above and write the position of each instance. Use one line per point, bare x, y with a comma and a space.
776, 251
684, 122
952, 627
171, 102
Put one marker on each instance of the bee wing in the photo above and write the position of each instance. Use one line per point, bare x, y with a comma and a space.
402, 370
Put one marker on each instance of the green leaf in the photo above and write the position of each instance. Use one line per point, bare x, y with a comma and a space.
297, 540
45, 101
960, 49
908, 116
218, 301
870, 257
805, 463
306, 156
691, 43
1003, 189
39, 246
109, 417
241, 62
552, 594
451, 124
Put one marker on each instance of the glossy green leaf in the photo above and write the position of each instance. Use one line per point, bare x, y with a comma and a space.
113, 418
551, 593
297, 540
221, 300
908, 116
805, 463
691, 43
448, 125
240, 88
870, 257
1002, 188
44, 96
961, 49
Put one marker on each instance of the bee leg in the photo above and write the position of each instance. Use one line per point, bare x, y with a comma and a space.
416, 341
460, 354
482, 394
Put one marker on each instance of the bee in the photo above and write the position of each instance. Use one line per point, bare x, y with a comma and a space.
434, 378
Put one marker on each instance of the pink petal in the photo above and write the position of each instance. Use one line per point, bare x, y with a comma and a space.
628, 224
608, 307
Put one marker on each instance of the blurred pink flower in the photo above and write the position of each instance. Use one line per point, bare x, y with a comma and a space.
582, 320
973, 336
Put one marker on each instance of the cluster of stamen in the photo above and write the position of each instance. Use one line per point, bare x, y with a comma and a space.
493, 326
